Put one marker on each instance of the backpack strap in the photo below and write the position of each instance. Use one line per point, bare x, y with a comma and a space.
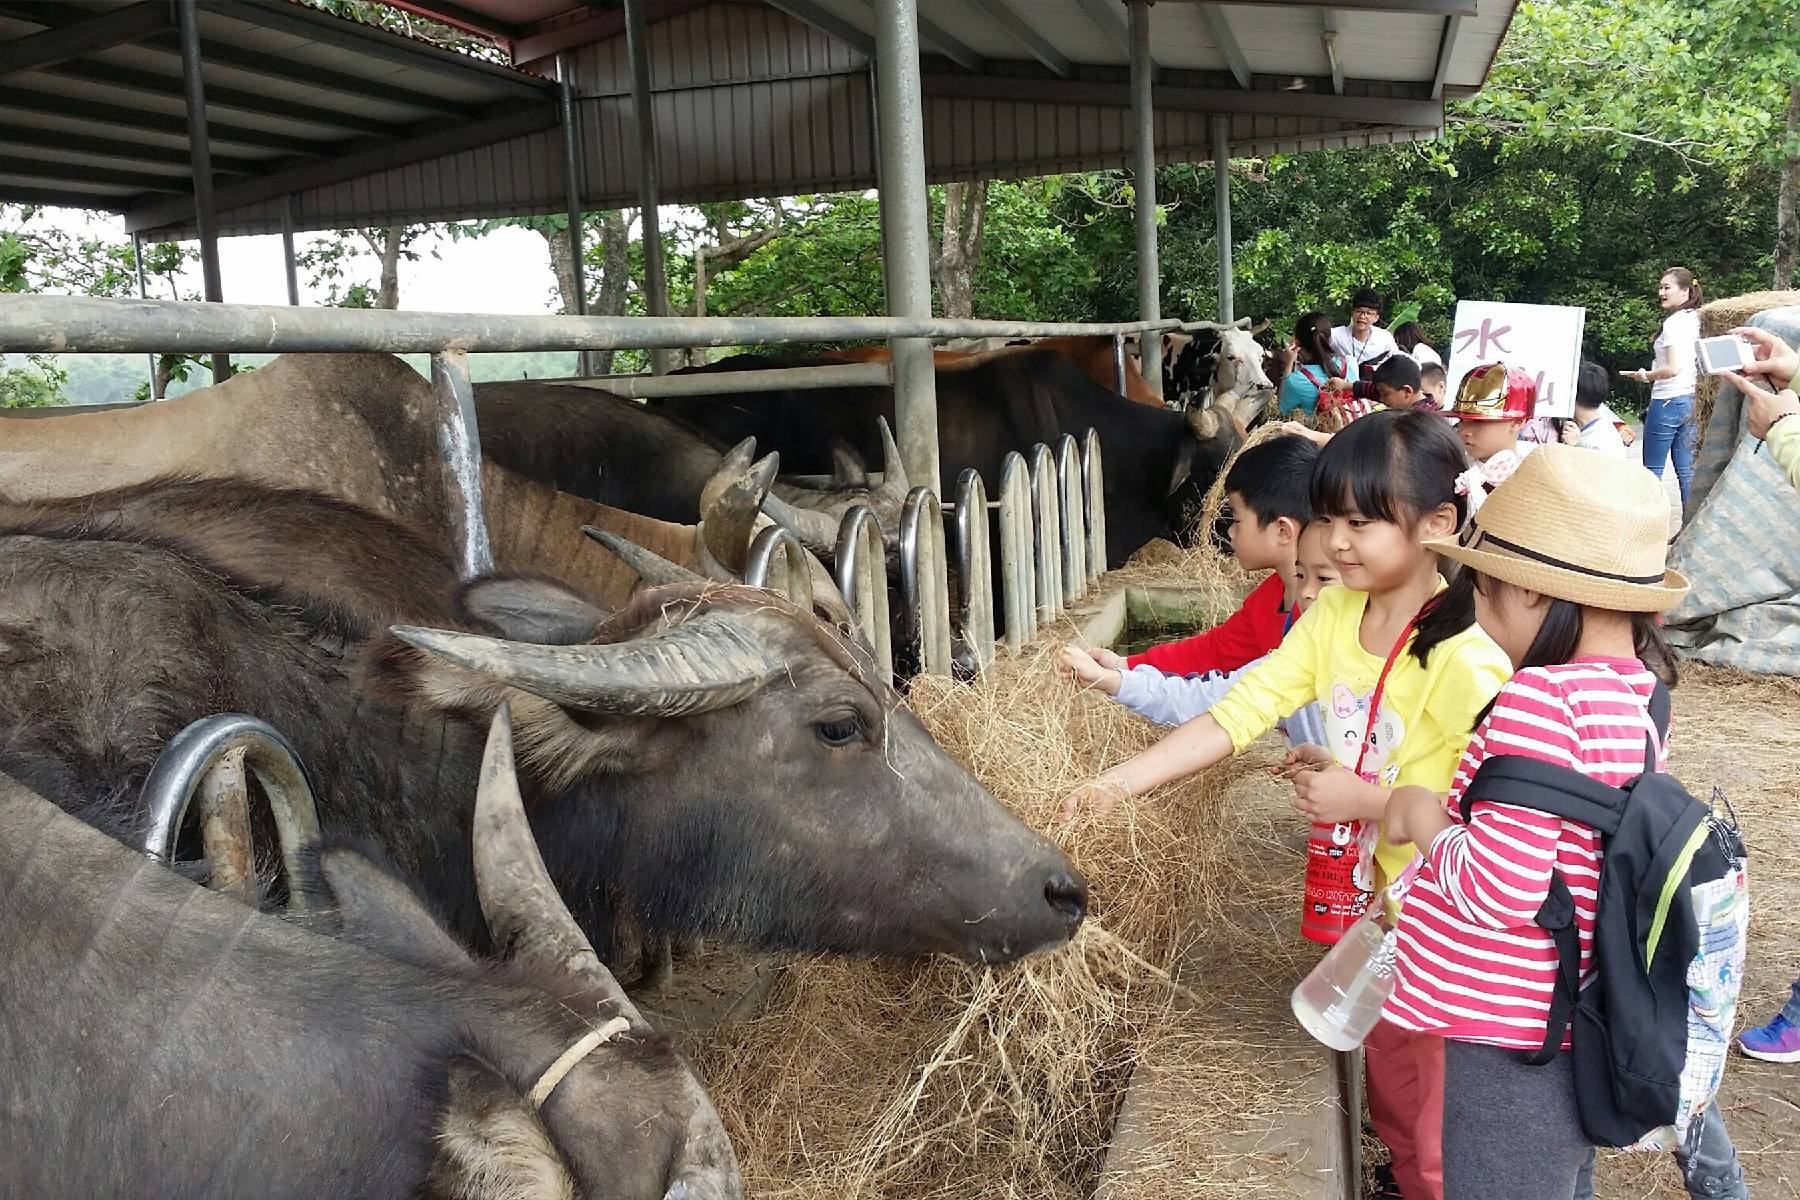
1659, 715
1546, 787
1557, 915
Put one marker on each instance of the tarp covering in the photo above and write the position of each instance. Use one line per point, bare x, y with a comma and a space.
1741, 546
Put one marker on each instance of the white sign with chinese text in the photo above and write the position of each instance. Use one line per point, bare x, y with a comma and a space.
1543, 340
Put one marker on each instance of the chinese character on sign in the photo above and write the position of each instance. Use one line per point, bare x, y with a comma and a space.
1480, 338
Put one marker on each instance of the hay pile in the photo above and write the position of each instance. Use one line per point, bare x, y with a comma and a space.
1719, 317
865, 1079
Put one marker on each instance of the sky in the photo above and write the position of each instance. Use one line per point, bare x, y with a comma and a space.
507, 271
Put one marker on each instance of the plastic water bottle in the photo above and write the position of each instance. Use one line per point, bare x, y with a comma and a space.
1334, 900
1340, 1001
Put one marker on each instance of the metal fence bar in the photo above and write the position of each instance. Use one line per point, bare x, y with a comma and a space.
975, 566
1072, 518
1047, 521
862, 577
89, 325
772, 545
1118, 341
713, 383
1093, 483
923, 582
1018, 541
459, 446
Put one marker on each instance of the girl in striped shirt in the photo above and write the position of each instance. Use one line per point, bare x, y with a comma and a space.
1565, 568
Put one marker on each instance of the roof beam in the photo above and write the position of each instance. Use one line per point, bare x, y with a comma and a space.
117, 150
14, 194
1435, 8
1227, 43
1360, 110
462, 17
118, 116
818, 17
1446, 48
151, 83
272, 66
951, 47
61, 44
377, 43
59, 172
439, 139
1329, 39
1105, 16
1020, 30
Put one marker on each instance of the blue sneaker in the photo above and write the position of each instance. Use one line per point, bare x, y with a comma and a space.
1778, 1041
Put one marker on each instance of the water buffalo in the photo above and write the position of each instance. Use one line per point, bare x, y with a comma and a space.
1092, 354
1159, 463
710, 760
161, 1040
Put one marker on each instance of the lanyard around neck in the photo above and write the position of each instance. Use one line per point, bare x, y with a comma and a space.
1380, 687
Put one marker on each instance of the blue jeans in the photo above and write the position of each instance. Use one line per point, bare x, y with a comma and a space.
1711, 1172
1669, 428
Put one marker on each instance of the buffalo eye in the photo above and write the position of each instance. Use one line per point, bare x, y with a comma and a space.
841, 731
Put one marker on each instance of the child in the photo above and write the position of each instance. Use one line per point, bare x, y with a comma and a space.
1431, 384
1173, 699
1383, 487
1267, 488
1491, 405
1566, 569
1308, 365
1396, 383
1595, 427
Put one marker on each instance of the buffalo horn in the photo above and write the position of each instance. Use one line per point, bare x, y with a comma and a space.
1204, 423
524, 911
894, 485
816, 529
729, 504
707, 662
651, 567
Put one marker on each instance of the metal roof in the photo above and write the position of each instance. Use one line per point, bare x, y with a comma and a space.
360, 127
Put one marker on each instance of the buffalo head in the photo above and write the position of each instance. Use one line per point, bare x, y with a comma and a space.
1214, 435
790, 797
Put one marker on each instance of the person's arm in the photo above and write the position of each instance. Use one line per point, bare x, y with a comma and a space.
1680, 348
1246, 635
1172, 699
1783, 443
1775, 359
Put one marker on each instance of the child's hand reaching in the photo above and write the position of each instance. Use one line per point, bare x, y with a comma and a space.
1308, 757
1085, 668
1099, 793
1332, 794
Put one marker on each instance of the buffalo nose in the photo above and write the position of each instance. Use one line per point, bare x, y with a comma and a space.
1067, 894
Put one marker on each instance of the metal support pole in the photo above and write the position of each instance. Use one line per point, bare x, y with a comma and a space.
459, 448
905, 221
137, 259
565, 78
1221, 155
1143, 178
187, 17
287, 250
1119, 362
656, 280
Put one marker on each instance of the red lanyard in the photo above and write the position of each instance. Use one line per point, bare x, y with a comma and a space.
1381, 686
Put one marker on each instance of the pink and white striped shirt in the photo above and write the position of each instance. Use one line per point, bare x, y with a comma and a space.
1472, 964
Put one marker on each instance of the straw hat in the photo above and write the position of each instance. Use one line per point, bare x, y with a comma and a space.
1577, 525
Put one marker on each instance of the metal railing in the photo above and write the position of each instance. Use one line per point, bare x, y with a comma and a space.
777, 561
974, 568
924, 586
1018, 551
1046, 515
863, 579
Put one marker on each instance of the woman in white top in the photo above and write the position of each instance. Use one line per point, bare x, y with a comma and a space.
1411, 340
1669, 425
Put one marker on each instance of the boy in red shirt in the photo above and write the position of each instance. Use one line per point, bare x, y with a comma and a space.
1268, 488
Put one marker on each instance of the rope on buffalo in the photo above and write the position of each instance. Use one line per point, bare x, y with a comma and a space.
565, 1062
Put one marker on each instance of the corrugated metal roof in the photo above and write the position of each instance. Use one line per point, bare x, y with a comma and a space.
751, 99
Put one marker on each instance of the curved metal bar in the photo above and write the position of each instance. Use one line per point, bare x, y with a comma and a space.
1093, 483
1018, 570
1072, 522
796, 578
923, 585
862, 577
975, 565
1047, 523
193, 752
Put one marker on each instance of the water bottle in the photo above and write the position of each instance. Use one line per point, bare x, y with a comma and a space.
1334, 899
1340, 1001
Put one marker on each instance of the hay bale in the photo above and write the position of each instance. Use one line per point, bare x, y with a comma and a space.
1718, 317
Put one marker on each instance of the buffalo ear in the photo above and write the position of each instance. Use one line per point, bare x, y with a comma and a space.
490, 1142
377, 911
527, 609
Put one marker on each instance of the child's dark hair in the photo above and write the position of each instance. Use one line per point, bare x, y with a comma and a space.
1312, 333
1366, 298
1591, 385
1407, 335
1430, 371
1397, 371
1396, 465
1273, 479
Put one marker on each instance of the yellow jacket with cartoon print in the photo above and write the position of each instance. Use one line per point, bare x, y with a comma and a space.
1426, 712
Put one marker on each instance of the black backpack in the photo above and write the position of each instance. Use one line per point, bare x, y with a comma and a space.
1670, 867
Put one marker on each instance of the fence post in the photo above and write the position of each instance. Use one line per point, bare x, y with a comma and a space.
796, 581
862, 577
1073, 518
1093, 482
1047, 520
975, 565
922, 579
1018, 545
